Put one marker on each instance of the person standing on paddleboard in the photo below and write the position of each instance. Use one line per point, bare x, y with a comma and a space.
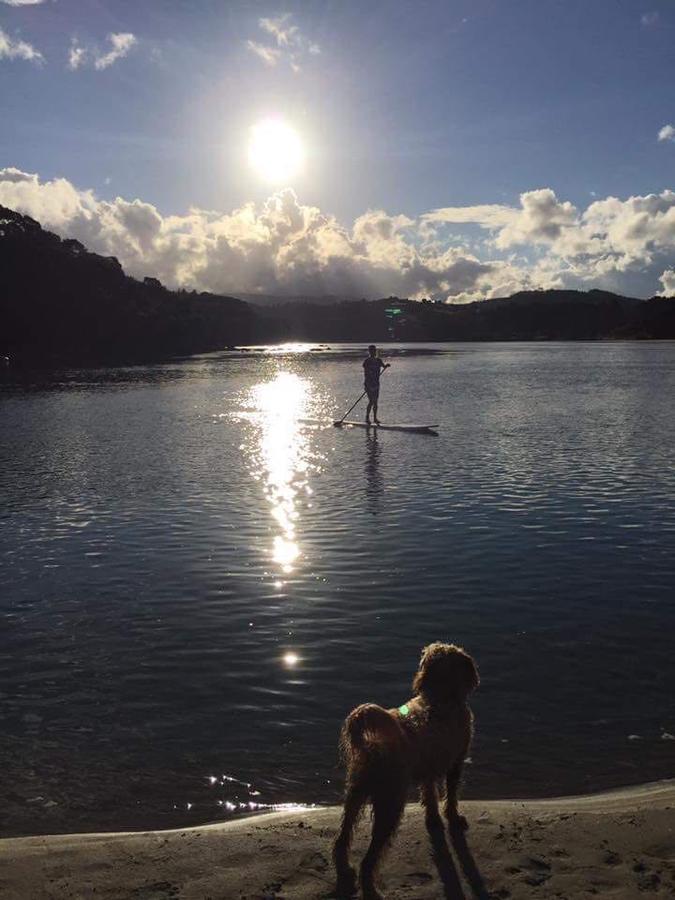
372, 368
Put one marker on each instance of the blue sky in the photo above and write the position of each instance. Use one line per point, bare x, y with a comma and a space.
403, 108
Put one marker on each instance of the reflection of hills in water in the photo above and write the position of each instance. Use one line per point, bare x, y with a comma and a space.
283, 300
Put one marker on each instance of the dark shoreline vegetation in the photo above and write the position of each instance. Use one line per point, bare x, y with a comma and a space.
61, 304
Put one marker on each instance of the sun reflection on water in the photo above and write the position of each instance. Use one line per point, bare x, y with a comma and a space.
282, 457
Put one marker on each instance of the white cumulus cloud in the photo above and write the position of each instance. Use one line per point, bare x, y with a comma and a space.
22, 2
540, 219
79, 55
283, 246
17, 49
280, 246
667, 280
598, 245
667, 133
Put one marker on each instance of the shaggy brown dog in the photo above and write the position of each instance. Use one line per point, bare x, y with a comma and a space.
424, 742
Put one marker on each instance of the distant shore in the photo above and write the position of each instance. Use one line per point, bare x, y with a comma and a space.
64, 305
619, 844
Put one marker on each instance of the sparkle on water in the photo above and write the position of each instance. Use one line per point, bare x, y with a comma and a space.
281, 456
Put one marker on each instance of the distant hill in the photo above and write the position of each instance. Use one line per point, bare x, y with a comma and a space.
58, 302
61, 303
526, 316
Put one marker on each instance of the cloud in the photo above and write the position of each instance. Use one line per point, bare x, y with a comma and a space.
599, 245
650, 19
269, 55
667, 280
488, 215
285, 247
22, 2
280, 246
77, 55
540, 219
10, 49
624, 234
121, 44
288, 43
667, 133
286, 35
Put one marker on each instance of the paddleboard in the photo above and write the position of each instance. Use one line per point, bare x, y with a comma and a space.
417, 429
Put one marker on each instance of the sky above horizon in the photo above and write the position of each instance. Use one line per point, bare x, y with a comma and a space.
457, 149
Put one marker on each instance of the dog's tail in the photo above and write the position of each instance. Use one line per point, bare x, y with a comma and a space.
370, 730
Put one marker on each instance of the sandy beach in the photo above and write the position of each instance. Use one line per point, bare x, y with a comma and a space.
619, 844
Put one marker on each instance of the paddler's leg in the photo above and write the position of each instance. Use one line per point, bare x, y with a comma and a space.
370, 406
375, 398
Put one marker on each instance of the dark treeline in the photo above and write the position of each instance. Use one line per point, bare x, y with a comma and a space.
61, 303
58, 302
526, 316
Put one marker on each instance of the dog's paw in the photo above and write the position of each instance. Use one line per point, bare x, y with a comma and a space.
370, 892
346, 883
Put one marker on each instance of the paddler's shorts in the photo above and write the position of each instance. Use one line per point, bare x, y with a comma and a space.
373, 391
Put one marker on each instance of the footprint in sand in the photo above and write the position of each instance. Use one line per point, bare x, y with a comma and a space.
647, 881
419, 878
316, 861
661, 851
535, 871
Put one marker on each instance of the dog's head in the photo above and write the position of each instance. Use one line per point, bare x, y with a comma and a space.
446, 672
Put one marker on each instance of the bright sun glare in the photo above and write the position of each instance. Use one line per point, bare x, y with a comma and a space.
275, 151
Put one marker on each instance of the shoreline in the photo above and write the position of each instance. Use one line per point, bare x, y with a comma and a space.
619, 843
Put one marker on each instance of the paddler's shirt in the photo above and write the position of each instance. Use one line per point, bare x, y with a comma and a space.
372, 366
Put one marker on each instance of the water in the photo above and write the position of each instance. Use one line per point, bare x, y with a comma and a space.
201, 576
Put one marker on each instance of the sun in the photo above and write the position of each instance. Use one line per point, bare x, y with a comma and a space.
275, 151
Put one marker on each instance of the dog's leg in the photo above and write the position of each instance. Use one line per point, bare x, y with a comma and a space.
346, 876
388, 805
451, 784
429, 799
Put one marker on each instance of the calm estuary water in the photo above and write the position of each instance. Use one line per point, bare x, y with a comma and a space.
201, 576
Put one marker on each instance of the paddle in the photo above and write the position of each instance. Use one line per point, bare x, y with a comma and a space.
340, 421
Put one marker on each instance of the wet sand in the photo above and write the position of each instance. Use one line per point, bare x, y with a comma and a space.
619, 845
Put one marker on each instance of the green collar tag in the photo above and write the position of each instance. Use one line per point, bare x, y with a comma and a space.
404, 710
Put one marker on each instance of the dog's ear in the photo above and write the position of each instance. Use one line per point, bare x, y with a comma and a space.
468, 674
445, 672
